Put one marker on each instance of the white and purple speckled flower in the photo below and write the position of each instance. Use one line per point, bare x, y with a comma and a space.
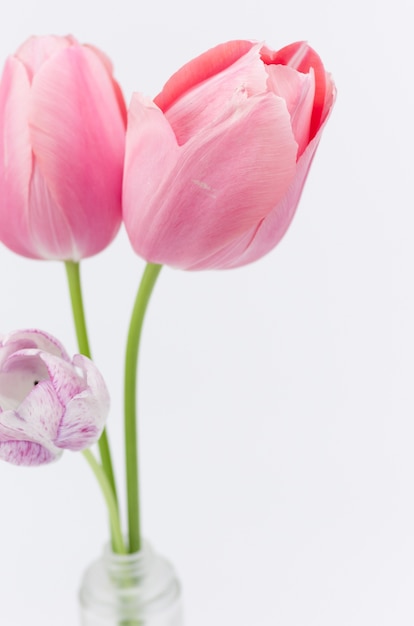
48, 402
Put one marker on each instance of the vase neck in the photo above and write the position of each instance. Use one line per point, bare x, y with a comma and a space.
135, 566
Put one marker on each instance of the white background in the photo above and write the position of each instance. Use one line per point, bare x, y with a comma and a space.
276, 404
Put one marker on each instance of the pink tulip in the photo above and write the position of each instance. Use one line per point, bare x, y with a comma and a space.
62, 139
215, 166
47, 402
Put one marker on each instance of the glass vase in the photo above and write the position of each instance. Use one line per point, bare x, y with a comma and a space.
139, 589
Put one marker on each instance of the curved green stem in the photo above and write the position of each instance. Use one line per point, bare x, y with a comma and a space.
75, 289
131, 440
116, 531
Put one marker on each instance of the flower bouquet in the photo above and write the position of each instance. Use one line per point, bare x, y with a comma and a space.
207, 175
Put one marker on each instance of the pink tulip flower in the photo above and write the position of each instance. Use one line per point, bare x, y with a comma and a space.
62, 140
215, 166
47, 401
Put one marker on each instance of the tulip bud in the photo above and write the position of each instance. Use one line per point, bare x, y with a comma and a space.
48, 402
62, 134
215, 166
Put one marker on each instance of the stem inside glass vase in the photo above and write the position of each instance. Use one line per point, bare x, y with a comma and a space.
140, 589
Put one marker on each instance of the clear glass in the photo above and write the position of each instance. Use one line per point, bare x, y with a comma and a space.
138, 589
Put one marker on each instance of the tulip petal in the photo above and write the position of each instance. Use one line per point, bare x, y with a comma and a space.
27, 453
302, 58
204, 103
18, 377
267, 234
15, 157
224, 181
82, 176
226, 256
63, 376
21, 442
298, 91
9, 348
37, 339
271, 230
50, 232
200, 69
107, 64
150, 154
36, 50
81, 425
94, 382
85, 414
42, 411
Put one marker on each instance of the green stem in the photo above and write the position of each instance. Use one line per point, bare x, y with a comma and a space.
116, 531
131, 364
75, 289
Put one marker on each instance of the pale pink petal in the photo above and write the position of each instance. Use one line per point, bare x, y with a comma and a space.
302, 58
86, 413
107, 64
27, 453
200, 69
81, 425
203, 104
15, 157
42, 412
64, 377
35, 51
226, 180
22, 443
271, 230
298, 91
94, 382
7, 349
151, 152
83, 176
48, 224
19, 374
225, 256
33, 338
13, 427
